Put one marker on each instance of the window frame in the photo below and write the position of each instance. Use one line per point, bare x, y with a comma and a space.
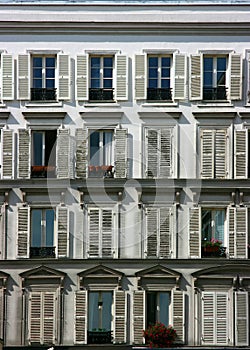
43, 226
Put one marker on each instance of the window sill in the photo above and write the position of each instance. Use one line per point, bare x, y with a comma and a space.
102, 104
205, 104
44, 104
160, 104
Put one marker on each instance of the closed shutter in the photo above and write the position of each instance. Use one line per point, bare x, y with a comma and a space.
82, 91
140, 77
231, 231
7, 154
180, 77
81, 312
196, 78
221, 154
120, 317
166, 159
178, 314
2, 311
49, 318
94, 232
152, 153
208, 318
138, 316
235, 62
107, 234
63, 77
152, 228
62, 232
23, 72
121, 153
35, 317
207, 154
221, 325
121, 78
237, 231
81, 153
165, 234
7, 64
23, 229
195, 232
63, 153
240, 154
24, 156
241, 319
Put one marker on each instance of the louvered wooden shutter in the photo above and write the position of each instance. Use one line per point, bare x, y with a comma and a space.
63, 153
180, 77
120, 317
195, 232
165, 156
2, 311
152, 153
208, 318
207, 154
81, 311
94, 232
49, 317
107, 234
23, 230
138, 316
237, 232
81, 153
35, 317
165, 234
24, 154
241, 319
196, 78
178, 314
7, 154
82, 91
240, 154
7, 64
221, 325
121, 78
23, 72
235, 62
62, 232
152, 228
63, 77
140, 77
231, 231
220, 154
121, 153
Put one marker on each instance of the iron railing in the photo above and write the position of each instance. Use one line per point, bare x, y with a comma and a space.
161, 94
215, 94
42, 252
101, 94
46, 94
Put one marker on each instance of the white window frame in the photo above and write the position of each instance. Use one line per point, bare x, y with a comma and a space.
101, 147
159, 68
44, 56
215, 57
102, 57
43, 224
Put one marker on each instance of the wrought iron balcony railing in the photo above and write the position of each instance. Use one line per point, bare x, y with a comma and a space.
43, 171
213, 252
99, 337
42, 252
48, 94
101, 94
155, 94
215, 94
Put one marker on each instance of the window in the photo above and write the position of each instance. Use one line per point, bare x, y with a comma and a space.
101, 78
43, 78
214, 78
158, 307
159, 68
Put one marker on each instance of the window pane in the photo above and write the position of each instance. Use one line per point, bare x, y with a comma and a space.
95, 73
36, 228
93, 315
153, 73
221, 64
95, 62
107, 84
37, 148
108, 73
153, 62
50, 83
206, 225
165, 83
107, 149
164, 300
152, 83
37, 62
165, 72
94, 148
95, 83
37, 73
108, 62
219, 224
208, 79
165, 62
208, 64
50, 61
221, 78
151, 308
106, 310
49, 228
50, 73
37, 83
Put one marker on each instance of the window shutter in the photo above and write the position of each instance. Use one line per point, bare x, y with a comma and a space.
241, 232
81, 153
140, 77
35, 317
178, 314
107, 234
2, 311
240, 154
81, 311
235, 62
166, 153
23, 229
180, 77
82, 77
94, 232
152, 153
63, 77
231, 231
63, 153
221, 325
121, 153
195, 232
165, 246
241, 319
24, 141
49, 317
208, 318
120, 317
23, 71
207, 154
62, 232
7, 64
196, 78
152, 228
121, 78
221, 154
138, 316
7, 154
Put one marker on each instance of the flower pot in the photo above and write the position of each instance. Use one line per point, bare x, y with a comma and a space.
211, 249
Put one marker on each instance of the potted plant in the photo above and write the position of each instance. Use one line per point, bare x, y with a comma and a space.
159, 336
212, 245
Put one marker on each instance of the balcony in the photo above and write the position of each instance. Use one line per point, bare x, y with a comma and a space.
213, 252
43, 171
101, 94
215, 94
99, 337
42, 252
47, 94
154, 94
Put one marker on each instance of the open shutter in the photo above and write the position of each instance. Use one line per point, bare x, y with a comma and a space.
35, 317
195, 232
241, 319
152, 229
7, 154
23, 72
152, 153
120, 316
221, 312
180, 77
2, 311
207, 154
82, 78
7, 64
121, 153
140, 77
63, 77
81, 153
121, 78
208, 318
49, 317
240, 154
196, 78
24, 141
62, 232
165, 156
81, 312
241, 232
178, 314
138, 316
231, 231
220, 154
94, 232
23, 229
235, 62
63, 153
165, 234
107, 233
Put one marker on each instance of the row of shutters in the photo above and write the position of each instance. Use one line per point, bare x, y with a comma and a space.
82, 79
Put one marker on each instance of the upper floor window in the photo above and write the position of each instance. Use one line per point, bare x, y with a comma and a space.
43, 78
214, 78
101, 78
157, 307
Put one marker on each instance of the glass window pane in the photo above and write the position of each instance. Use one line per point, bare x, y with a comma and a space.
36, 228
95, 73
50, 83
153, 62
164, 300
95, 62
108, 73
208, 64
49, 228
107, 84
95, 83
206, 224
165, 62
151, 308
106, 310
165, 83
153, 83
37, 83
37, 62
94, 148
37, 73
153, 73
165, 72
93, 316
221, 63
208, 79
37, 148
221, 78
50, 73
219, 224
108, 62
50, 62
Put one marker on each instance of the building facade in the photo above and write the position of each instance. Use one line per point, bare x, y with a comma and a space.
125, 169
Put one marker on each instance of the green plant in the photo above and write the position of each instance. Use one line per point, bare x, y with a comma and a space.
212, 243
159, 336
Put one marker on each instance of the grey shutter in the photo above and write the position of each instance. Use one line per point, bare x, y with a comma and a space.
107, 234
62, 232
220, 154
140, 77
35, 317
7, 154
24, 154
121, 153
94, 232
180, 77
63, 77
152, 228
138, 316
152, 153
23, 230
231, 231
178, 315
165, 234
241, 232
196, 78
7, 64
2, 312
240, 154
221, 325
165, 156
207, 154
235, 61
63, 153
23, 72
81, 153
120, 317
49, 317
81, 312
241, 319
82, 92
208, 318
121, 78
195, 232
